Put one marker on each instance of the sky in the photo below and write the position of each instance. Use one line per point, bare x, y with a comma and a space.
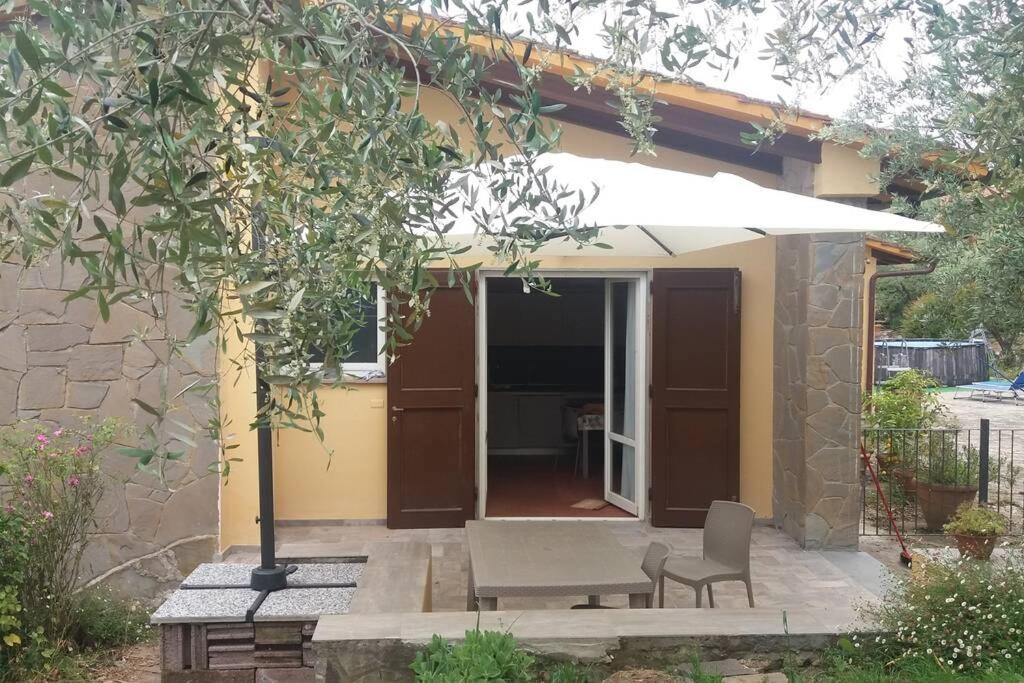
753, 77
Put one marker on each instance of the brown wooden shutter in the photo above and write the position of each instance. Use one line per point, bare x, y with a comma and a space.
695, 403
432, 419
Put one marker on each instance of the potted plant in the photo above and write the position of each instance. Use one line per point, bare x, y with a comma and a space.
976, 529
947, 481
899, 405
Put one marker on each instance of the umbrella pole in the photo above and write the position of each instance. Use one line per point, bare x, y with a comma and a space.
269, 576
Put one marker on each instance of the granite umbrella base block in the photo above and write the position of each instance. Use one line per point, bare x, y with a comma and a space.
216, 630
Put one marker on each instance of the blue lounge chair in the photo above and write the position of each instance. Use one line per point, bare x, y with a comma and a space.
997, 389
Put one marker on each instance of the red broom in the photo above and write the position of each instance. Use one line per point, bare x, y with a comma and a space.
905, 556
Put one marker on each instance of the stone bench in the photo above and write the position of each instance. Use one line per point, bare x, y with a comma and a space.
357, 648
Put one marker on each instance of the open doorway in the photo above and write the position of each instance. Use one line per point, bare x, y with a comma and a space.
546, 373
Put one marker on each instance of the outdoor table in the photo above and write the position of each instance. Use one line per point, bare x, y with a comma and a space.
549, 559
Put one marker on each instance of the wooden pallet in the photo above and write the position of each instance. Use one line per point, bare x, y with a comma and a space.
237, 652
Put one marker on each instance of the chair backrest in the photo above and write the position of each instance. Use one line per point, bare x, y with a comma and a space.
727, 534
654, 560
569, 431
1019, 382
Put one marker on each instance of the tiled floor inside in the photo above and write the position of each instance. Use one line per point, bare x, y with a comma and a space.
520, 486
784, 575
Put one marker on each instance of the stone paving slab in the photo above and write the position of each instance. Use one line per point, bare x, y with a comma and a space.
720, 667
304, 604
590, 625
784, 575
231, 598
237, 575
871, 574
217, 605
205, 605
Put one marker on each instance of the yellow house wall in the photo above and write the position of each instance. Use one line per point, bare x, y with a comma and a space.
352, 484
843, 172
238, 494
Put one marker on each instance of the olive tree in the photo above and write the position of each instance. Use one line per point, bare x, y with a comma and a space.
950, 122
262, 162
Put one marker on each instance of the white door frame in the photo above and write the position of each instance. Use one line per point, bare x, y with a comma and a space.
642, 278
639, 441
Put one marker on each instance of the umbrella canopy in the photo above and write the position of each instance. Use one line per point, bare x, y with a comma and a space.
647, 211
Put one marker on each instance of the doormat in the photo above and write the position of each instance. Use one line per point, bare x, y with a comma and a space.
590, 504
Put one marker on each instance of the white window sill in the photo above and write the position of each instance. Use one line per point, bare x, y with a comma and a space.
376, 376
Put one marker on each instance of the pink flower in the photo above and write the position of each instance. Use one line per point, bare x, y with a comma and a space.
82, 450
47, 514
9, 508
29, 479
74, 481
42, 439
57, 434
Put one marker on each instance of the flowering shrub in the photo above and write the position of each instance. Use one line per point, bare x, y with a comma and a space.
52, 487
13, 555
102, 619
976, 520
964, 615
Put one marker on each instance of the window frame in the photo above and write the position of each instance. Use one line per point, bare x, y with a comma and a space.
378, 368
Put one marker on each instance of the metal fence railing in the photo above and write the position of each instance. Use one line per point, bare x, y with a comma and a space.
927, 473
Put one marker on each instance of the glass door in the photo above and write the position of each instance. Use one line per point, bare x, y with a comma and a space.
624, 372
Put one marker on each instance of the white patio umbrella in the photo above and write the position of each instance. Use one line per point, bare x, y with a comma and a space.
647, 211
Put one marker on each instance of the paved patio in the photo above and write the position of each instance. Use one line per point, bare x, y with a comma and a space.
784, 576
1005, 414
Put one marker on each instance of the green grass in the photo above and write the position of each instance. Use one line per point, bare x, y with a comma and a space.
833, 668
836, 670
839, 664
102, 626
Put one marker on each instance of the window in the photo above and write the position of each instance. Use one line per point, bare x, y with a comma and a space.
366, 360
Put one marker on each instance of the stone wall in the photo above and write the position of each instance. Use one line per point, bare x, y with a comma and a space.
59, 361
818, 296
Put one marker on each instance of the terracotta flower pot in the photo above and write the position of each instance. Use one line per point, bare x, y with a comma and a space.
887, 462
977, 547
907, 480
938, 503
